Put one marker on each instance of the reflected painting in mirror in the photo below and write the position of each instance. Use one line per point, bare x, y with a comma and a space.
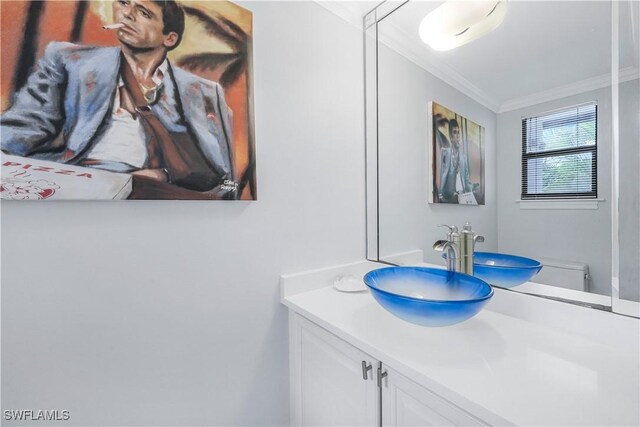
457, 162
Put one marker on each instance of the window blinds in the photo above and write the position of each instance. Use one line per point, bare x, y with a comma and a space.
559, 154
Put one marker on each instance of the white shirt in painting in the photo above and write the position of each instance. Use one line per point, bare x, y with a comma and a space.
124, 139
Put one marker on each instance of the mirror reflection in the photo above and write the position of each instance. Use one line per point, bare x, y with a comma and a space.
498, 133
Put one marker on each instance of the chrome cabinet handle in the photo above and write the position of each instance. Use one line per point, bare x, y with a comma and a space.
365, 369
381, 375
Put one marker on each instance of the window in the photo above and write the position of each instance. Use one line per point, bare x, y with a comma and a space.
559, 154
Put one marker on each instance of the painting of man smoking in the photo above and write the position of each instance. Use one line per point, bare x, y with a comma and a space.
134, 99
457, 158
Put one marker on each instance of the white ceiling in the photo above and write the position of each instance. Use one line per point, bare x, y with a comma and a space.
542, 50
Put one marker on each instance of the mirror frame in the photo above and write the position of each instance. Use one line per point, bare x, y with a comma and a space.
370, 30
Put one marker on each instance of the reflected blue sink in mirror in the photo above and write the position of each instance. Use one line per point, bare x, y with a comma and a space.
504, 270
428, 296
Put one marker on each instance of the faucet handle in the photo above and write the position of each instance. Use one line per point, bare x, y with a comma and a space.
452, 228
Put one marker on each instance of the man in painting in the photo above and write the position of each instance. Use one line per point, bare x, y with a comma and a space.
79, 106
454, 167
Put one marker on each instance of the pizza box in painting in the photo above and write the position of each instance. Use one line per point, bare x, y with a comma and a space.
31, 179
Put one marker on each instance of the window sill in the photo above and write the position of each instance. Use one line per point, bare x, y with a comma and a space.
567, 204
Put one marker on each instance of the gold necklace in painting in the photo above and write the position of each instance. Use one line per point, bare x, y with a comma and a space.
150, 93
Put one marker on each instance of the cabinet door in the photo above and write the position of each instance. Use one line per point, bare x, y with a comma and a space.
327, 384
405, 403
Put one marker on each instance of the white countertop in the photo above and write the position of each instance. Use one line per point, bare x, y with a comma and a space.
503, 368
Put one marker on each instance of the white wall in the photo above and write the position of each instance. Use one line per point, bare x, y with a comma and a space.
407, 220
574, 235
167, 313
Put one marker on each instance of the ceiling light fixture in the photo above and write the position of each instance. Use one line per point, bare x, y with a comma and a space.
455, 23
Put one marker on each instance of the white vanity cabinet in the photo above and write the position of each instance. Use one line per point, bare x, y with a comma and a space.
405, 403
329, 388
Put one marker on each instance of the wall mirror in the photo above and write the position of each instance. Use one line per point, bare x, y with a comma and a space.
537, 112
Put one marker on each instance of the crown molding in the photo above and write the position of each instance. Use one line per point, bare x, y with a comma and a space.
351, 11
396, 39
626, 74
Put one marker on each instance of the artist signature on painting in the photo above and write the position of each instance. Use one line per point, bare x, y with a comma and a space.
229, 185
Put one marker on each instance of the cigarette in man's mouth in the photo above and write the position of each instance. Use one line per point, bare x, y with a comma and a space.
112, 26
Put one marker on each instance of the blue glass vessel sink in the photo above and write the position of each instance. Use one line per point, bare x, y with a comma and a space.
504, 270
428, 296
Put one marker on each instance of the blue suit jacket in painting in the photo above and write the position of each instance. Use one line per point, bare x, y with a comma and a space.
70, 94
448, 173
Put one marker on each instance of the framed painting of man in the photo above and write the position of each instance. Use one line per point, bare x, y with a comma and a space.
127, 99
456, 158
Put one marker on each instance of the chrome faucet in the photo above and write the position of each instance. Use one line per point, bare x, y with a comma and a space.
460, 247
451, 246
